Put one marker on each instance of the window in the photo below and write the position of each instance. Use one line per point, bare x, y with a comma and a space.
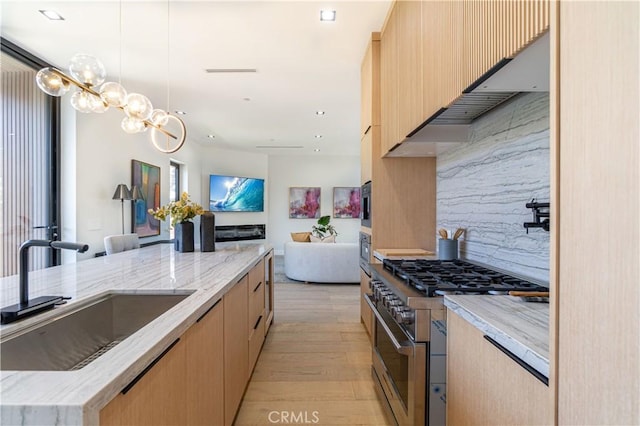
174, 187
30, 161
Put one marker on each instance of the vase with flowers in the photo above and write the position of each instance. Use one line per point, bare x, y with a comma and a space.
181, 213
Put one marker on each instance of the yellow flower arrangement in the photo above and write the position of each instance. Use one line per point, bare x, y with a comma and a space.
180, 211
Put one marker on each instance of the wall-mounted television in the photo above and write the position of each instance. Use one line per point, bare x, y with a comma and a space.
235, 194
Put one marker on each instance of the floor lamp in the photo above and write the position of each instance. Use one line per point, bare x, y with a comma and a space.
122, 193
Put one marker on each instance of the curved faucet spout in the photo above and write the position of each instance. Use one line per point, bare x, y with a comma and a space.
24, 260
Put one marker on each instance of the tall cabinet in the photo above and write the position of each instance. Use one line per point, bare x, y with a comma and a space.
595, 128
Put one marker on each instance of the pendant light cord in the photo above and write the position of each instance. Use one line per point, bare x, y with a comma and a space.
120, 42
168, 52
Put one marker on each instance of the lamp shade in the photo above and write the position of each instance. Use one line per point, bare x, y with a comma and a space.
122, 193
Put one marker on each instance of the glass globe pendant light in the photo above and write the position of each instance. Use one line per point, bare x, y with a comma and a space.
132, 125
159, 117
87, 70
51, 83
113, 94
82, 101
97, 104
138, 107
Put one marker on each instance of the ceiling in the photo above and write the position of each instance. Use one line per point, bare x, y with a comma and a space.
162, 49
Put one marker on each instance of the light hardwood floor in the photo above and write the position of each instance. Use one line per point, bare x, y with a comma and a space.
315, 367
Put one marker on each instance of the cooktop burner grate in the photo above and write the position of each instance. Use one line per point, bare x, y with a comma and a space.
434, 277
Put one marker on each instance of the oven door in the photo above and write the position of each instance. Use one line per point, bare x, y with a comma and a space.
400, 368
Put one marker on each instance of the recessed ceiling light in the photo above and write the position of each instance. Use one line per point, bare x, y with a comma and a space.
246, 99
211, 136
180, 112
52, 14
316, 150
319, 112
327, 15
318, 136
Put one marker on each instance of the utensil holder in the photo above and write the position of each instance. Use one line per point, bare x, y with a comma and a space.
447, 249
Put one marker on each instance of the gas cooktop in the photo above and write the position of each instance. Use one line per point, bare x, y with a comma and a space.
439, 277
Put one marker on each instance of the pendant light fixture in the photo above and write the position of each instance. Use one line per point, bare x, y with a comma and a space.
88, 75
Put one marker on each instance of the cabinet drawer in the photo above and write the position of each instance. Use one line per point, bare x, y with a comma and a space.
256, 339
256, 302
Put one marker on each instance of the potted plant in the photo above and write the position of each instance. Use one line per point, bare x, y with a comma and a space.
181, 213
323, 229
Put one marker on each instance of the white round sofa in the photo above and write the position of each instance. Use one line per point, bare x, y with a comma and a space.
322, 262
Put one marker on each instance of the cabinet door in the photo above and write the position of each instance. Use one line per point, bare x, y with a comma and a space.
268, 291
484, 386
409, 46
158, 397
493, 30
205, 367
365, 311
370, 86
365, 157
236, 347
389, 84
442, 54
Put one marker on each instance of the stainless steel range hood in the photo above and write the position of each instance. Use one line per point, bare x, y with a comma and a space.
449, 127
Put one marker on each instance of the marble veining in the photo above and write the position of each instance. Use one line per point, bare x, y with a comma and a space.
483, 186
76, 397
521, 327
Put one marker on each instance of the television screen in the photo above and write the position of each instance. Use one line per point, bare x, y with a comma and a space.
235, 194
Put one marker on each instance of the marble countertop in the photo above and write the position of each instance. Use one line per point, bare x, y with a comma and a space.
521, 327
76, 397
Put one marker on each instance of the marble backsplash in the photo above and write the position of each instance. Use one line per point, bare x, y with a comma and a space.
483, 186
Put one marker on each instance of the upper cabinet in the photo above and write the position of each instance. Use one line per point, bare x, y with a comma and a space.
433, 51
409, 66
370, 86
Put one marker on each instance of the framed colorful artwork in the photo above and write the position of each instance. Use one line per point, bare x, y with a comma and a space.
304, 203
346, 202
147, 178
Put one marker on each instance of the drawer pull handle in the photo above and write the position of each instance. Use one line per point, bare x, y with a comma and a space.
257, 322
149, 367
520, 362
257, 287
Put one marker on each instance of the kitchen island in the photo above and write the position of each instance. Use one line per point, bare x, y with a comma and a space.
76, 397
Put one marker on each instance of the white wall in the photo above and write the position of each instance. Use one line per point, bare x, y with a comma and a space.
103, 154
97, 157
323, 171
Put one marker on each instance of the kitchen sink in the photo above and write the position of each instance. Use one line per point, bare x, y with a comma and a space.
74, 339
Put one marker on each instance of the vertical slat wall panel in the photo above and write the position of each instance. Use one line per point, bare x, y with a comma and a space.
24, 183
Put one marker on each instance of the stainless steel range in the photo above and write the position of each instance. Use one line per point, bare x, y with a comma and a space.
409, 348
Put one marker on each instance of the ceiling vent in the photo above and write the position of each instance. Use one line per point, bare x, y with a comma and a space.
229, 70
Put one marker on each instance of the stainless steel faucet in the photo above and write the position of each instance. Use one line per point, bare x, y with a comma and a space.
26, 307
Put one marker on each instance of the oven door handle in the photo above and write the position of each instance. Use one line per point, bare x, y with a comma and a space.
406, 350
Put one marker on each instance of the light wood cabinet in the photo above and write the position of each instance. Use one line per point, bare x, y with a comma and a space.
493, 30
365, 311
484, 386
268, 291
389, 83
205, 369
366, 150
595, 152
442, 60
256, 319
236, 347
370, 86
409, 66
157, 396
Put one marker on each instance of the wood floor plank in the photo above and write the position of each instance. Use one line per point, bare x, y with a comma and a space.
315, 365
